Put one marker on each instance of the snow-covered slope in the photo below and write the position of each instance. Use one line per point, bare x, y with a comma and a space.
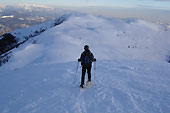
108, 38
122, 86
132, 73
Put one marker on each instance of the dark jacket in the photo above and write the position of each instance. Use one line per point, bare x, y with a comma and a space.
87, 58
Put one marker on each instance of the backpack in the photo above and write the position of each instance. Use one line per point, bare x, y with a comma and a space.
87, 58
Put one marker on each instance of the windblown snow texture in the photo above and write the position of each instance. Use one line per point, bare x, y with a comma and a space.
132, 73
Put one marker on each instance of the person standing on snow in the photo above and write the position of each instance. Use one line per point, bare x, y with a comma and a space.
86, 60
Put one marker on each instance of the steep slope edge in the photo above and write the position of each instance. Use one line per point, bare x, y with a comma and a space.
14, 39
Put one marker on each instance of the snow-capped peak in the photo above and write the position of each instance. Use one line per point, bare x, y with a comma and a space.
30, 6
10, 16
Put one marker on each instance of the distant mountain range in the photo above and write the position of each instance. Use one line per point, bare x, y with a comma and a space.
26, 15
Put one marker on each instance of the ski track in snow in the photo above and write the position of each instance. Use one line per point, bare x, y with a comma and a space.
120, 87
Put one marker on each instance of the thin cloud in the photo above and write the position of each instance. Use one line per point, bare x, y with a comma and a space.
163, 0
152, 7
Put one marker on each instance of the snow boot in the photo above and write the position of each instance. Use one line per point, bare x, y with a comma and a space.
88, 83
82, 86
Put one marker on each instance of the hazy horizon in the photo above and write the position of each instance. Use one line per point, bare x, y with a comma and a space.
152, 10
160, 15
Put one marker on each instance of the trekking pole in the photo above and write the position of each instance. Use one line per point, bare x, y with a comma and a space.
94, 74
75, 76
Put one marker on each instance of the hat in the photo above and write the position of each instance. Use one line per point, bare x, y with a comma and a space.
86, 47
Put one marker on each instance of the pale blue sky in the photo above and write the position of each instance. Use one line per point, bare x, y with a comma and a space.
159, 4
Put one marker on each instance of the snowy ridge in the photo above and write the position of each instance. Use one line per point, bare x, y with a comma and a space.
25, 33
132, 73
